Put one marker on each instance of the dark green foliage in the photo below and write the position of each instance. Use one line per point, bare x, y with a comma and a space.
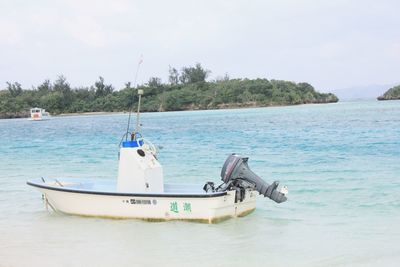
14, 88
154, 82
45, 87
102, 89
186, 90
193, 74
391, 94
173, 76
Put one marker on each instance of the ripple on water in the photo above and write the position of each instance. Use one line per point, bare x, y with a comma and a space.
340, 162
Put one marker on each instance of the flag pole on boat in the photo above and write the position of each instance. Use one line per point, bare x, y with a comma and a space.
140, 92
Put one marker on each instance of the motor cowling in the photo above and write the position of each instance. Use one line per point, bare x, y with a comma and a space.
237, 168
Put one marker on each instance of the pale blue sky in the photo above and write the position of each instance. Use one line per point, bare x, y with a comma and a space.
331, 44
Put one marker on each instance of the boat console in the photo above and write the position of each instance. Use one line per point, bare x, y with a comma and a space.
139, 171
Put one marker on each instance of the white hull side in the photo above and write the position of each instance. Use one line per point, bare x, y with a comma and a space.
204, 209
44, 118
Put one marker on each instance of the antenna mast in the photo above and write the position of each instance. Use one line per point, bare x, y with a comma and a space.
140, 93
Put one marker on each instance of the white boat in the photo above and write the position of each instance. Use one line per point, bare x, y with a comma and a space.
139, 190
39, 114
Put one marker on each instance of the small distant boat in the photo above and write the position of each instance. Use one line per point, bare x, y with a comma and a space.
39, 114
139, 190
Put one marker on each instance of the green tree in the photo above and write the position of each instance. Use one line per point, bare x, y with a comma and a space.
154, 82
53, 102
391, 94
45, 87
193, 92
64, 96
194, 74
101, 88
14, 88
173, 77
61, 85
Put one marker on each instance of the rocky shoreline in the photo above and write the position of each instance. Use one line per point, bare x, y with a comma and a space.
391, 94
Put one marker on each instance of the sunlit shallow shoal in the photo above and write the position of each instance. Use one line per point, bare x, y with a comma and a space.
341, 163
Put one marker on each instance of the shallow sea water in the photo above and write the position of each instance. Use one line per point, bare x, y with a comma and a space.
340, 161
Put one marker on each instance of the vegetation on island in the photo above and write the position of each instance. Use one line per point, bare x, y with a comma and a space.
391, 94
186, 89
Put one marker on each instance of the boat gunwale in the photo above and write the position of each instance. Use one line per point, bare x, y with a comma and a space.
163, 195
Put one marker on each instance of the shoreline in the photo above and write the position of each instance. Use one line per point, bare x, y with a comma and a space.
224, 107
99, 113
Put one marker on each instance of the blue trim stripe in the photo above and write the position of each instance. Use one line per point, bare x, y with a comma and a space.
133, 143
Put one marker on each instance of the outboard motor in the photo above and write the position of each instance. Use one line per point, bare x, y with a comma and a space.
236, 169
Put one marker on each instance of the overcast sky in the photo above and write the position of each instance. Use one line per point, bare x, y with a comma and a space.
330, 44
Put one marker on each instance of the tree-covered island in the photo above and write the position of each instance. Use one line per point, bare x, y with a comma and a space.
186, 89
391, 94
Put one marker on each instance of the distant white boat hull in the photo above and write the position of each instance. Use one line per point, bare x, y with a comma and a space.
39, 114
44, 118
199, 206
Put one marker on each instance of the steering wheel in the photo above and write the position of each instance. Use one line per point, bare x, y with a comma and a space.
148, 146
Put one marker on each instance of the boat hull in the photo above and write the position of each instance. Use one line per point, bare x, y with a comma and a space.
208, 208
44, 118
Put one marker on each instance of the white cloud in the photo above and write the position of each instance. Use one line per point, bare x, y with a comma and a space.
86, 30
315, 41
10, 34
394, 51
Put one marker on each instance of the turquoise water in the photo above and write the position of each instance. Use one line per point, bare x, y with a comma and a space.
341, 163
